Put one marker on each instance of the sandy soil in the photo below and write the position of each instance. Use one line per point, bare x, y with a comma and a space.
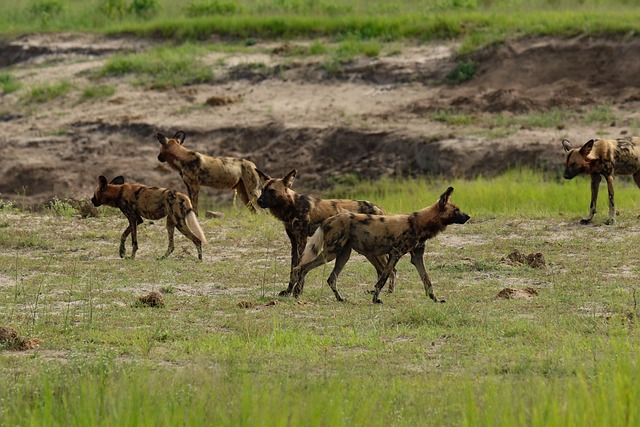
371, 119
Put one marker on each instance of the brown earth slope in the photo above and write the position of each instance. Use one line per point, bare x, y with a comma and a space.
372, 118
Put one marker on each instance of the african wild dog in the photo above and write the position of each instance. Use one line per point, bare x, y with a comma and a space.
374, 236
302, 214
218, 172
137, 201
604, 157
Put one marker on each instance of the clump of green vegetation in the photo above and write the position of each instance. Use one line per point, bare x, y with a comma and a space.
97, 92
453, 118
601, 114
48, 92
118, 9
463, 71
45, 10
59, 207
212, 7
161, 68
144, 8
9, 83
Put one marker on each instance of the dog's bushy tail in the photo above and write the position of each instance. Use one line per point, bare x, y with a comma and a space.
194, 226
313, 248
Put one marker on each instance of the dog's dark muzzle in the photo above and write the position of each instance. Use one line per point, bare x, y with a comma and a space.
161, 158
462, 218
95, 201
263, 202
570, 173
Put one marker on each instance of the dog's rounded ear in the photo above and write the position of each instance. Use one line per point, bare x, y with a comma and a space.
180, 136
118, 180
161, 139
567, 145
289, 178
587, 147
445, 197
102, 181
263, 176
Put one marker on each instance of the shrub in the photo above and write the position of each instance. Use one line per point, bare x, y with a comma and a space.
144, 8
46, 92
212, 7
45, 10
464, 71
8, 83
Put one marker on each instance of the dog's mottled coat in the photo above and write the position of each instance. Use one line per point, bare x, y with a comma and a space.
303, 214
375, 236
603, 157
198, 170
137, 201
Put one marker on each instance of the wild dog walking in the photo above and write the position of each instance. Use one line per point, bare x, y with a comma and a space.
137, 201
218, 172
303, 214
374, 236
603, 157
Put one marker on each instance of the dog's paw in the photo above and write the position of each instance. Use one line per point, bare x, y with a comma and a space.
284, 293
585, 221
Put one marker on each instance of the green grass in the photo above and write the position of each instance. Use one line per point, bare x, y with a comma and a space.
523, 193
97, 92
475, 23
160, 68
46, 92
8, 83
568, 356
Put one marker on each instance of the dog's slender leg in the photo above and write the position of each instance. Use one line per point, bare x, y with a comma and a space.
182, 227
123, 239
341, 260
417, 260
134, 238
636, 179
379, 262
193, 190
241, 191
612, 207
595, 184
170, 229
394, 257
301, 271
298, 241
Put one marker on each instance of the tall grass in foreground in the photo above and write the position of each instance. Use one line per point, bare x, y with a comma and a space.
235, 394
520, 192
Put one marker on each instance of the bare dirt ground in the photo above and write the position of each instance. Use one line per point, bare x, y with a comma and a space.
371, 119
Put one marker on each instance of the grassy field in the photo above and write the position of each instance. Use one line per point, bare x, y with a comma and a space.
225, 350
476, 22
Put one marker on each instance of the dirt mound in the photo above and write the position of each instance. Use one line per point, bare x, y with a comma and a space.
533, 260
510, 293
11, 340
152, 299
542, 73
368, 118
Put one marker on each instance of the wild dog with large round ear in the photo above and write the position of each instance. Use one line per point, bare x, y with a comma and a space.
302, 214
375, 236
198, 170
603, 157
137, 201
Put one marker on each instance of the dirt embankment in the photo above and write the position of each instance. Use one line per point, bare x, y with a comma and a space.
371, 119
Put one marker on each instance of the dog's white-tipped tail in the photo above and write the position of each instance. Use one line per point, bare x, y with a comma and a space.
194, 226
313, 248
